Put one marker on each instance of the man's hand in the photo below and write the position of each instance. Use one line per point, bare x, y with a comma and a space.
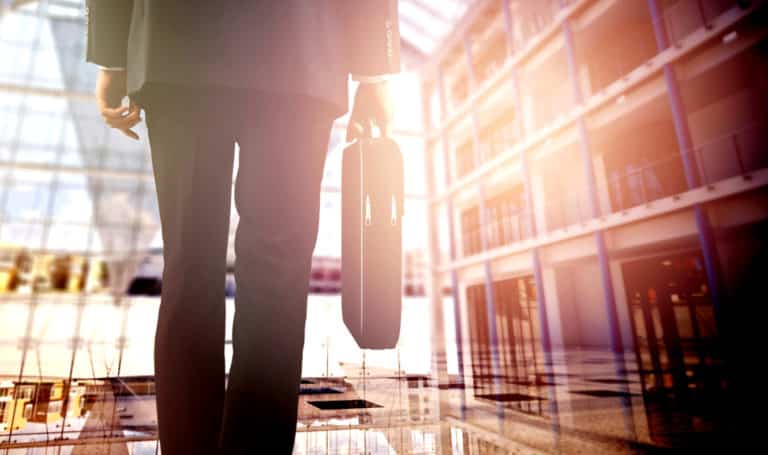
372, 106
110, 90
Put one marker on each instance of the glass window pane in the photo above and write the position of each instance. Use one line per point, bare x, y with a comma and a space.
27, 202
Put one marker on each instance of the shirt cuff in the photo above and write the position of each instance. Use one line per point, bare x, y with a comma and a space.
111, 68
372, 79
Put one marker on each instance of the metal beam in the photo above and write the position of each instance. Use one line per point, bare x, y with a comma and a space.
490, 300
127, 175
44, 91
724, 189
609, 293
685, 145
460, 29
434, 287
452, 253
546, 340
429, 9
86, 96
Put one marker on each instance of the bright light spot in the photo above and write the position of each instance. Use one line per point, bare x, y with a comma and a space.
730, 37
406, 99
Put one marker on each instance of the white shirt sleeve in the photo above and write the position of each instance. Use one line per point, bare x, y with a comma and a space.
111, 68
372, 78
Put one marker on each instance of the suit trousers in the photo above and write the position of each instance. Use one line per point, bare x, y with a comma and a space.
283, 140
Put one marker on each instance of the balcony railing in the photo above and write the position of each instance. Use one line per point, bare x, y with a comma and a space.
505, 226
565, 205
508, 227
683, 17
640, 183
736, 153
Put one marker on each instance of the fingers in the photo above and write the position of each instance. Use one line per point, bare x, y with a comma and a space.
362, 120
110, 90
131, 118
354, 130
372, 106
386, 129
113, 112
122, 118
380, 122
359, 123
358, 129
130, 133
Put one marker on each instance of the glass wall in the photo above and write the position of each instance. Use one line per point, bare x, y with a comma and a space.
81, 252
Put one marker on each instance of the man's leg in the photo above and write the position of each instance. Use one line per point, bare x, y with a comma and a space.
192, 151
283, 145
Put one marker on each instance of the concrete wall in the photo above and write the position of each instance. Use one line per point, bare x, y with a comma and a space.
584, 320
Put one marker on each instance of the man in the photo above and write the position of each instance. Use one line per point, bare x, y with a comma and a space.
271, 76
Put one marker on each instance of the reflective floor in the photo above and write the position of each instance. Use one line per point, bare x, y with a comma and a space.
75, 378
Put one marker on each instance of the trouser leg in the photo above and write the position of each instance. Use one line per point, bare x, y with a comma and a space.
192, 150
277, 195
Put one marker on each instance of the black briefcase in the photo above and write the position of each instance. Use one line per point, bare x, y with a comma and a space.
371, 245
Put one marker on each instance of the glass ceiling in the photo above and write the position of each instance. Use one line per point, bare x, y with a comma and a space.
424, 24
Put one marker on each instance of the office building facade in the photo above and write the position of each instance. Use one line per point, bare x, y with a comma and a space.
597, 173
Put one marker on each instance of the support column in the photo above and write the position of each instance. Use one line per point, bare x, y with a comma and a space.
472, 81
685, 144
484, 245
546, 343
452, 244
434, 279
594, 204
527, 187
609, 294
